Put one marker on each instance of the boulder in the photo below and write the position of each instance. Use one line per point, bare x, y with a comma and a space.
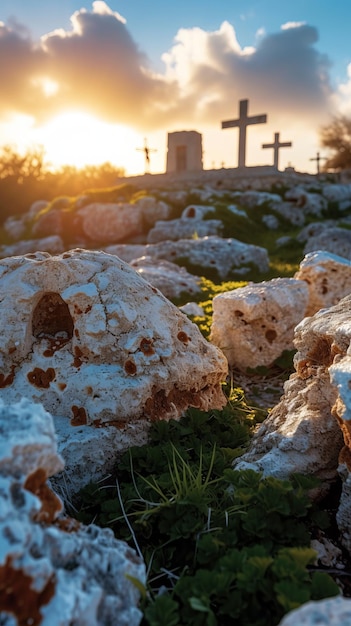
253, 325
311, 203
328, 277
337, 193
328, 612
184, 228
48, 223
54, 571
171, 279
152, 210
302, 433
109, 222
95, 343
334, 239
52, 244
224, 255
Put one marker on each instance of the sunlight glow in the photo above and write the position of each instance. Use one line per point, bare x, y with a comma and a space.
79, 139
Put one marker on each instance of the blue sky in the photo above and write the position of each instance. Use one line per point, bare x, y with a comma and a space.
122, 70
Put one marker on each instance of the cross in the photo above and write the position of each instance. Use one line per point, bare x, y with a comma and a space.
146, 151
318, 158
242, 123
276, 145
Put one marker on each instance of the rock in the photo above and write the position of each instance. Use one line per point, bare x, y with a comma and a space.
93, 342
52, 245
46, 560
299, 435
109, 223
335, 240
49, 223
15, 228
253, 325
270, 221
36, 207
328, 277
169, 278
252, 199
152, 210
314, 229
329, 612
302, 433
184, 228
197, 211
311, 203
337, 193
224, 255
192, 308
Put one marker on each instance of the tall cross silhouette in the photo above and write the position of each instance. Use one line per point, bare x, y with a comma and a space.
146, 151
318, 159
276, 145
244, 121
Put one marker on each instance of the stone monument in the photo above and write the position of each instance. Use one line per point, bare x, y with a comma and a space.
184, 151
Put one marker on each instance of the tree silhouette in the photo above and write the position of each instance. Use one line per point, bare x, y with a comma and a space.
336, 136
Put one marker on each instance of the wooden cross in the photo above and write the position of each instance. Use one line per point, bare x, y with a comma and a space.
318, 159
242, 123
276, 145
146, 151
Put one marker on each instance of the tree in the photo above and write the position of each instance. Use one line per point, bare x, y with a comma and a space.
336, 136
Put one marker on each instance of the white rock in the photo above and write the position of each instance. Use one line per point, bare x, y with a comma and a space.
328, 612
328, 277
52, 244
224, 255
253, 325
335, 192
299, 435
92, 341
192, 308
46, 561
184, 228
171, 279
110, 222
335, 240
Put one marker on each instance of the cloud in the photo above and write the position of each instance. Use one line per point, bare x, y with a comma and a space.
96, 66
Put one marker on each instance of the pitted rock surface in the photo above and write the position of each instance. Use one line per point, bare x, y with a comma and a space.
92, 341
54, 571
253, 325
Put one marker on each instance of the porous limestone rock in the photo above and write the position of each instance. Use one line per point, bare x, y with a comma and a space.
338, 193
48, 223
114, 222
253, 325
252, 199
52, 244
335, 240
110, 222
224, 255
93, 342
171, 279
184, 228
311, 203
197, 211
54, 571
299, 435
328, 277
329, 612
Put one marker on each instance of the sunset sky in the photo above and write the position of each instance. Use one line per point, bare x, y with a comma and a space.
89, 81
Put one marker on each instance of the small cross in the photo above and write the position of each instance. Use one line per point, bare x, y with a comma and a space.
276, 145
146, 151
242, 123
318, 159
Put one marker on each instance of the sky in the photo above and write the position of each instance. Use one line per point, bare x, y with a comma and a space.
91, 81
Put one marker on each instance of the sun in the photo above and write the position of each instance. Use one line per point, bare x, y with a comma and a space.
79, 139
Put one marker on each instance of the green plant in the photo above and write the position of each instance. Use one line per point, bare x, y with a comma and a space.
221, 546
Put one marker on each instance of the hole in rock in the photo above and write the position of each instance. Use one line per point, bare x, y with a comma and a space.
51, 316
